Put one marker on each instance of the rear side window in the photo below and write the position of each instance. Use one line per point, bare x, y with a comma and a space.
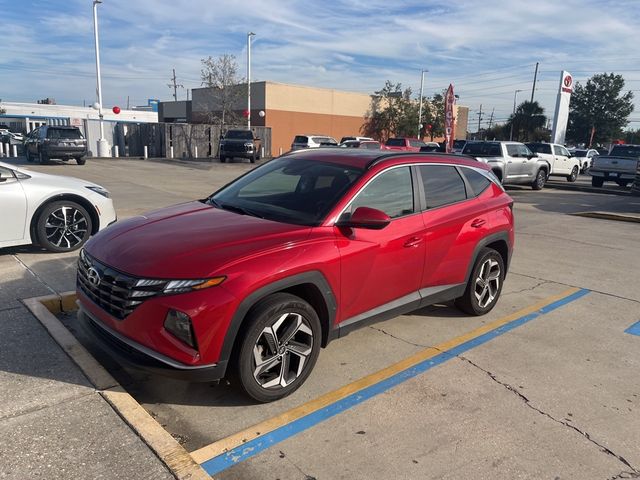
300, 139
395, 142
476, 180
64, 133
443, 185
391, 192
539, 147
482, 149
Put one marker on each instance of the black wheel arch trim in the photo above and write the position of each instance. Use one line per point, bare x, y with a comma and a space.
313, 277
495, 237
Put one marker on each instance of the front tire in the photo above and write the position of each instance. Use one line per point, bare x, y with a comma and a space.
541, 179
42, 158
278, 351
574, 175
63, 226
597, 181
223, 159
485, 284
81, 160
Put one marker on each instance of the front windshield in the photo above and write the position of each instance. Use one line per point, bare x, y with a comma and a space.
239, 134
290, 190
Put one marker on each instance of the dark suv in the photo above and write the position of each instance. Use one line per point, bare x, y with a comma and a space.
240, 143
257, 277
60, 142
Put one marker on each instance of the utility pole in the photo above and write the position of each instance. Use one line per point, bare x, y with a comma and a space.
127, 102
533, 87
479, 118
249, 35
174, 85
420, 109
491, 117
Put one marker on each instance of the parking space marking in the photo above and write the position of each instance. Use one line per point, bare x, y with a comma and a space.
634, 329
236, 448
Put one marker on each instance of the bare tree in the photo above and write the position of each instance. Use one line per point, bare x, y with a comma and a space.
2, 110
221, 74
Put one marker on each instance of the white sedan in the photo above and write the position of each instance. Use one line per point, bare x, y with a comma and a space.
58, 213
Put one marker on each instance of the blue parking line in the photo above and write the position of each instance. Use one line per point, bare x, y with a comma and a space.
253, 447
634, 329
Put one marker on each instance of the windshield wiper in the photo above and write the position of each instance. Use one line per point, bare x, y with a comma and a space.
235, 208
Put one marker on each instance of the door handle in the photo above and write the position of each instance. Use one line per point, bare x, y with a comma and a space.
413, 242
478, 222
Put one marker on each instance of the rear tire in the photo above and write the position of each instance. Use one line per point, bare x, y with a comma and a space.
597, 181
63, 226
253, 158
279, 348
574, 175
223, 159
541, 179
485, 284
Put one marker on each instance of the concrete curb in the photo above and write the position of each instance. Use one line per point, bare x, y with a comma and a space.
586, 189
619, 217
167, 449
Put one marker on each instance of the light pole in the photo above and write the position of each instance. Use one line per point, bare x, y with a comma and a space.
249, 35
420, 109
103, 146
515, 94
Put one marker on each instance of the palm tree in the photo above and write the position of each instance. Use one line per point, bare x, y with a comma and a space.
529, 118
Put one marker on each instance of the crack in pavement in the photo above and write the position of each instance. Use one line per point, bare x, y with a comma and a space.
527, 402
305, 476
635, 473
625, 474
529, 289
35, 275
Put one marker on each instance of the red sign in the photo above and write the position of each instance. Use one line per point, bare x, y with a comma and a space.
449, 119
567, 82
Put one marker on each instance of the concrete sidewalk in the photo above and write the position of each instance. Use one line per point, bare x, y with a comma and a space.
53, 423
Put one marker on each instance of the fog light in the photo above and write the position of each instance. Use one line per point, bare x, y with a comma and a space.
179, 325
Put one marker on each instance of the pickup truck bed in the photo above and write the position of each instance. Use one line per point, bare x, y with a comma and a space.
619, 166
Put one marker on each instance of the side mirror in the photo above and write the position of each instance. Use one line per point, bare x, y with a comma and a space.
533, 155
366, 217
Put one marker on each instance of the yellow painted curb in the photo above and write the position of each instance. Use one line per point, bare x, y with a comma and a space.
221, 446
167, 448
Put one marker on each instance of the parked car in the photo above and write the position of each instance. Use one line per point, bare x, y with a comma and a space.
260, 275
619, 166
312, 141
60, 142
345, 139
404, 144
240, 144
585, 157
58, 213
431, 147
512, 162
560, 160
370, 144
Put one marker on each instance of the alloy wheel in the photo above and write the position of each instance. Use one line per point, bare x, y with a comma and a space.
281, 351
66, 227
487, 284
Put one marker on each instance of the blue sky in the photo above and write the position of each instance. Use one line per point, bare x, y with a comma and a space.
486, 49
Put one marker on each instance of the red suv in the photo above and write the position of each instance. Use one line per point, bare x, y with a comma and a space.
301, 250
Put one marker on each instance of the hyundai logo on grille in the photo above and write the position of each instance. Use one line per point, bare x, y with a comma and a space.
93, 276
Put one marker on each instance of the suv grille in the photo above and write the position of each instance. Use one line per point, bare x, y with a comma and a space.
117, 293
235, 147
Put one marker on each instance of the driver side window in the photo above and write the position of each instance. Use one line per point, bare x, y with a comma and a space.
391, 192
6, 175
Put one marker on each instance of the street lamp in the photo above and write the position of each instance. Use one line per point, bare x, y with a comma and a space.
249, 35
515, 94
420, 109
103, 146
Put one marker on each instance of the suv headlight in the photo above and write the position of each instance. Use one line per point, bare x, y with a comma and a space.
171, 287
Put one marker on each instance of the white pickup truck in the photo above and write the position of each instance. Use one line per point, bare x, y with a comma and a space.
619, 166
562, 163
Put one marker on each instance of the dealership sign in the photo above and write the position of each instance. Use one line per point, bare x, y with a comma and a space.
449, 120
561, 117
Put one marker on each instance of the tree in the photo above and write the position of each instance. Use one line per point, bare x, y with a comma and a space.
392, 113
433, 114
2, 110
599, 108
221, 74
631, 136
528, 122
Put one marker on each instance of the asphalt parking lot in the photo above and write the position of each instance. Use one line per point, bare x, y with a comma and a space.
545, 386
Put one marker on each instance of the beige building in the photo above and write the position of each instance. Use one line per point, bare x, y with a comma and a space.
291, 110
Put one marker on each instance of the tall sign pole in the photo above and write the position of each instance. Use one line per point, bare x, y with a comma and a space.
249, 35
420, 109
449, 119
561, 117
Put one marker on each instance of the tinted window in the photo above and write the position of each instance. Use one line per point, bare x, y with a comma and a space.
395, 142
631, 151
442, 185
416, 143
478, 182
300, 139
371, 145
63, 133
539, 147
239, 134
482, 149
580, 153
289, 190
391, 192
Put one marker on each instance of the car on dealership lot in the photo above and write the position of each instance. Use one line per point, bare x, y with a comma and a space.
585, 157
346, 139
561, 162
301, 142
620, 165
511, 162
58, 213
62, 142
404, 144
458, 146
370, 144
240, 143
254, 279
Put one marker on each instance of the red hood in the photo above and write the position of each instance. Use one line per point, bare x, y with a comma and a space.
190, 240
